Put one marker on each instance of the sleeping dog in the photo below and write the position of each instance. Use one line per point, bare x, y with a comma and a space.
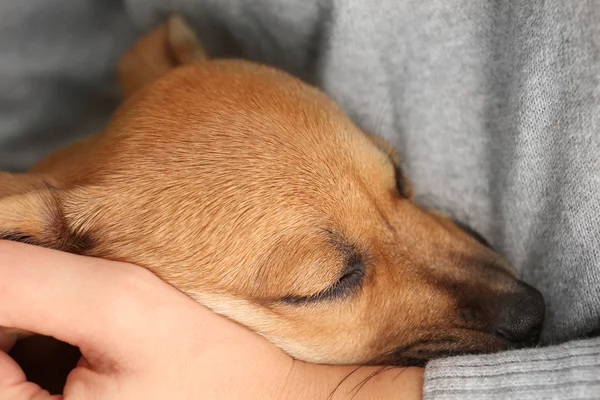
254, 194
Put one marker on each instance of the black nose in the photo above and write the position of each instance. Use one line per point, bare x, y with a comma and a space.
520, 315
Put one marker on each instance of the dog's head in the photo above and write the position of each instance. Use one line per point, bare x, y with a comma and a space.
254, 193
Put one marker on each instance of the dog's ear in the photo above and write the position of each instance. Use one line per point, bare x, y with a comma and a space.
165, 47
393, 155
31, 212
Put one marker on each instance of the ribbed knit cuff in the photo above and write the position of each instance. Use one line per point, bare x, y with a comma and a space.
567, 371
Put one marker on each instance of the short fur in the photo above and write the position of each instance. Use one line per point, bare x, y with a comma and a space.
253, 193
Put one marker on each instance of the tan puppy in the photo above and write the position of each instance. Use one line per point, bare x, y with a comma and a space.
254, 194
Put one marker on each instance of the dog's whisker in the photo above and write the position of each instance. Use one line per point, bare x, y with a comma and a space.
401, 372
393, 364
362, 383
357, 368
381, 116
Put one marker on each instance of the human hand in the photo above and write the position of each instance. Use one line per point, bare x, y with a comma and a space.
142, 339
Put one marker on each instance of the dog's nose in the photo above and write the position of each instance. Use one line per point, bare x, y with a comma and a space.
520, 315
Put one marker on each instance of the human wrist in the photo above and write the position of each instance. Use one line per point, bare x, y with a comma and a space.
344, 382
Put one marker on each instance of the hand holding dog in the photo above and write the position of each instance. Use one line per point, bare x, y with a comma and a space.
141, 338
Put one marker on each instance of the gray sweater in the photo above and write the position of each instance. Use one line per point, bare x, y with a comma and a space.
494, 106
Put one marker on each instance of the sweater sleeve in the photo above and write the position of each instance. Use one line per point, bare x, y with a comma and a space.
566, 371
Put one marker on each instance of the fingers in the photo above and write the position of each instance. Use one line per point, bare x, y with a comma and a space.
72, 298
14, 385
114, 312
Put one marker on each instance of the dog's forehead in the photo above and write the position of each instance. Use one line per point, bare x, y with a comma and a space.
233, 126
217, 103
240, 147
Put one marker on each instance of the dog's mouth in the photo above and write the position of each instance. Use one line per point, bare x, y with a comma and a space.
465, 342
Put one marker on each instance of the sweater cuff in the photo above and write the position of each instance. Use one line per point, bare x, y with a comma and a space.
567, 371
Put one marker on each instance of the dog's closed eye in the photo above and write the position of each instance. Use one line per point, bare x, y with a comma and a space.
349, 282
401, 185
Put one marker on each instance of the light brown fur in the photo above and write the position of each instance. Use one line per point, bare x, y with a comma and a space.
247, 189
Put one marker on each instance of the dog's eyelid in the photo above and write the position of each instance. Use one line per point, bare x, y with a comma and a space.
350, 280
354, 263
400, 182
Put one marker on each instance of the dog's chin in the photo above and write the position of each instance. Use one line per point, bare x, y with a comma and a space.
419, 352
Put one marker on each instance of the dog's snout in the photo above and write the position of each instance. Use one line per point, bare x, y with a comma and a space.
519, 315
516, 315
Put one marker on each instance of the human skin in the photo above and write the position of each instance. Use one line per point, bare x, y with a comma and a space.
141, 338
